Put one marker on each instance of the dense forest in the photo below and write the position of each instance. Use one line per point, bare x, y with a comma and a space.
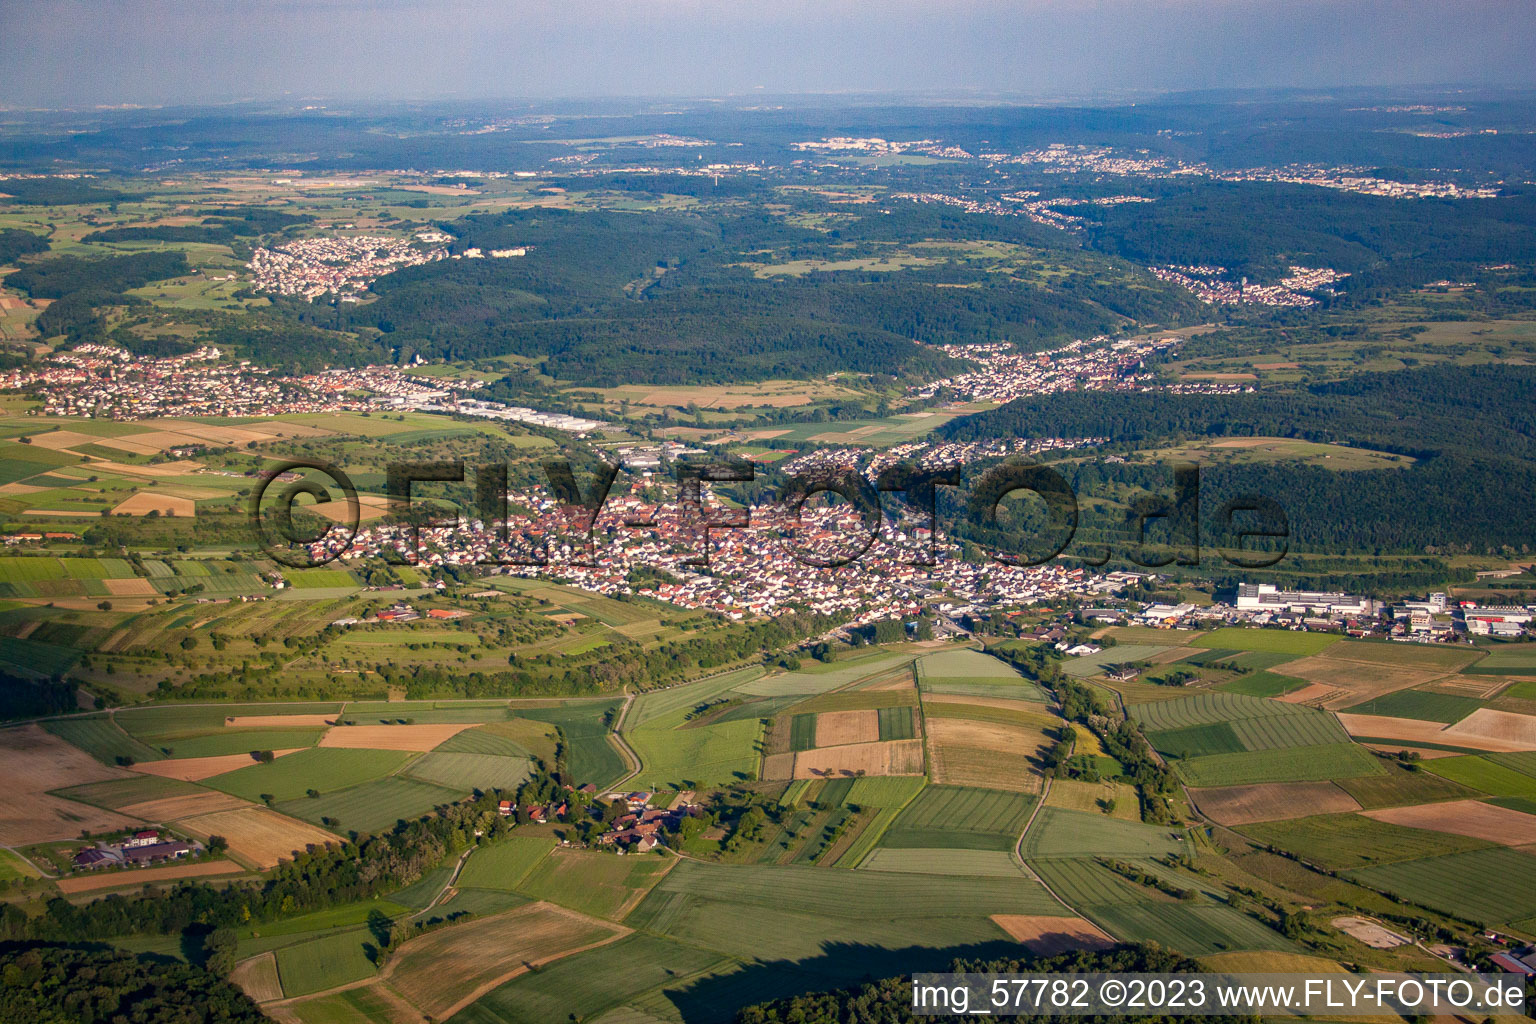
47, 984
15, 242
1420, 412
610, 298
889, 1001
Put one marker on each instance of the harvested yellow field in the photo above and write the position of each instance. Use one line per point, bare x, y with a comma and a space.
278, 721
1271, 801
258, 835
1072, 795
779, 766
1046, 935
143, 503
1483, 736
31, 763
195, 769
1359, 681
1004, 737
1004, 703
144, 876
443, 971
58, 439
899, 757
172, 807
130, 588
1465, 818
1498, 726
1314, 694
257, 978
835, 728
1254, 962
990, 755
393, 737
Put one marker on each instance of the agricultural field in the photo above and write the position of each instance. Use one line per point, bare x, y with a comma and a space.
590, 757
1093, 664
1399, 786
1062, 833
1517, 660
1426, 706
1332, 762
444, 970
1278, 801
960, 818
1502, 824
1343, 842
468, 772
1262, 684
371, 806
595, 883
1458, 884
673, 753
1484, 774
502, 865
325, 769
326, 962
1276, 641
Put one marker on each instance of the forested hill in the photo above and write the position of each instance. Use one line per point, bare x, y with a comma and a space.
1443, 409
606, 298
890, 1001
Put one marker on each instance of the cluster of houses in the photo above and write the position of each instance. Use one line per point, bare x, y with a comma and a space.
640, 829
138, 850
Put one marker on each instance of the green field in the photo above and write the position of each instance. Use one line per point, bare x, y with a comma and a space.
372, 806
593, 882
1523, 762
1399, 787
589, 984
1093, 664
239, 741
1197, 740
589, 757
954, 863
1460, 884
1484, 774
718, 753
960, 818
1291, 764
1205, 708
467, 772
886, 791
1189, 929
1341, 842
663, 703
813, 678
1510, 660
896, 723
802, 732
99, 737
503, 864
1262, 684
1082, 881
122, 792
1061, 833
324, 768
482, 741
325, 963
1275, 641
12, 866
966, 666
1419, 704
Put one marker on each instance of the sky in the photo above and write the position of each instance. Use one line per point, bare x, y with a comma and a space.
60, 53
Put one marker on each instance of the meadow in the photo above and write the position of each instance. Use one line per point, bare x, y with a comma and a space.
1459, 884
371, 806
503, 864
1485, 774
1061, 833
1333, 761
322, 768
325, 962
1341, 842
1278, 641
961, 818
596, 883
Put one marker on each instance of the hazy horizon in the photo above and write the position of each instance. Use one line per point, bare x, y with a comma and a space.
69, 53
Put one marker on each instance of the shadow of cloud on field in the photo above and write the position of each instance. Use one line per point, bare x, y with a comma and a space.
717, 998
